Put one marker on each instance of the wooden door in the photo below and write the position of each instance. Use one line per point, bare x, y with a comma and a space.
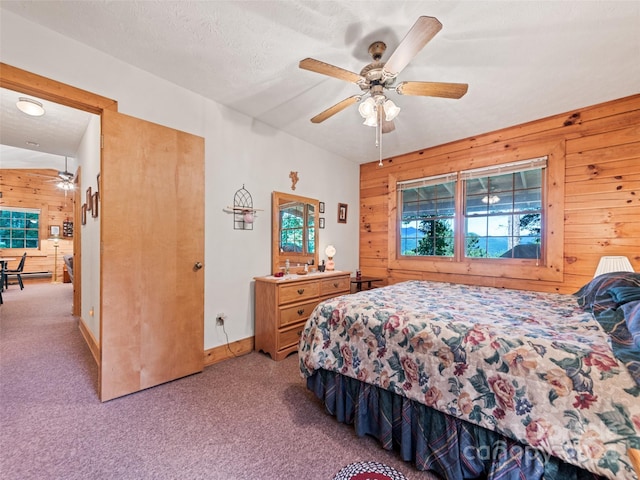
152, 237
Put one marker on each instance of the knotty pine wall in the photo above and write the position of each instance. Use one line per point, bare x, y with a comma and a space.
601, 194
30, 188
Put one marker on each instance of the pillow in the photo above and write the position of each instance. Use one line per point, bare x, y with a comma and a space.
594, 296
631, 312
623, 295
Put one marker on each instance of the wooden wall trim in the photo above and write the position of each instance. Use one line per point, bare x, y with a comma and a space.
225, 352
91, 341
29, 83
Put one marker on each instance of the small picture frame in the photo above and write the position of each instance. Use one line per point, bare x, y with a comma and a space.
321, 222
89, 199
54, 230
83, 213
98, 181
342, 212
94, 204
321, 207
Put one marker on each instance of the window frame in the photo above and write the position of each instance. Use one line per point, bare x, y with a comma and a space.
39, 229
549, 267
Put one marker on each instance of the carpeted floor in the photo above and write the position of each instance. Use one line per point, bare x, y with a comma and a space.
246, 418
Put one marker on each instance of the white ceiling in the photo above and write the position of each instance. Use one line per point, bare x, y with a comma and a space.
522, 60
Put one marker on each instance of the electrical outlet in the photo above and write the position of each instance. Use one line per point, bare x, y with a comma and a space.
220, 319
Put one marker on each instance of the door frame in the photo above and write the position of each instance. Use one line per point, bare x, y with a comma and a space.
19, 80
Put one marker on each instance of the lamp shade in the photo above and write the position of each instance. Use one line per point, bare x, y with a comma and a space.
391, 110
613, 264
30, 107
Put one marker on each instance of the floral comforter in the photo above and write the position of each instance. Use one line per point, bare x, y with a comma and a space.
531, 366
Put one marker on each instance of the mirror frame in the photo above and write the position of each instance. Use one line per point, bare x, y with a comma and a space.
277, 259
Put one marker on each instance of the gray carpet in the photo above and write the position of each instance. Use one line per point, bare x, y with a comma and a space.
246, 418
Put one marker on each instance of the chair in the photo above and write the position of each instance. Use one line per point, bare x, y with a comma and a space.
17, 272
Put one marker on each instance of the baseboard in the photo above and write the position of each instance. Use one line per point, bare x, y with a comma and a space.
225, 352
93, 345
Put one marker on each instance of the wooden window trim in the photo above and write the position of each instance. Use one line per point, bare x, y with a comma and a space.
549, 268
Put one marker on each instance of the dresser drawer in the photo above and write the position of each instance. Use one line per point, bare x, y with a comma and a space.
296, 313
298, 292
289, 337
331, 286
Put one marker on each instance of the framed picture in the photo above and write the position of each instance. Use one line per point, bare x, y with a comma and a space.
94, 204
321, 222
98, 181
342, 213
89, 199
54, 230
321, 208
83, 211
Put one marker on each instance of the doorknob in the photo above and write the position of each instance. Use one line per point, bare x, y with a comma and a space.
197, 266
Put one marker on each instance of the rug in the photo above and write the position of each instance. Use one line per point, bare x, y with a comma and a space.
369, 471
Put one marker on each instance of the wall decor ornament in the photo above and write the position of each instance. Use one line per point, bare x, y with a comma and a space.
89, 199
342, 212
94, 205
243, 212
294, 179
54, 230
321, 222
321, 207
83, 214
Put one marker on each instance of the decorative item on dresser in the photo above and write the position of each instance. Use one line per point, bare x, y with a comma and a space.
283, 305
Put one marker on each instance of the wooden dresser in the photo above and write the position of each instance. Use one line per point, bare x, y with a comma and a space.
283, 305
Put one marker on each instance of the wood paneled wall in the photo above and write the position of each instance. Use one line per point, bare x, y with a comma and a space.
601, 192
31, 188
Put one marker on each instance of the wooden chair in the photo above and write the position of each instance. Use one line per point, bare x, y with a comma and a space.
17, 272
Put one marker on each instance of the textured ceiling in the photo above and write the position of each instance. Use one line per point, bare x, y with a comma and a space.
522, 60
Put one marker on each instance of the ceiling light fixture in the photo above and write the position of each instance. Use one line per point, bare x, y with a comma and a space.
490, 199
30, 107
372, 110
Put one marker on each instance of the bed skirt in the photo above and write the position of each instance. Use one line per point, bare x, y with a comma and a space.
432, 440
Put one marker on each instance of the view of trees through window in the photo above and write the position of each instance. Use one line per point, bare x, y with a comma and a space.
19, 228
502, 214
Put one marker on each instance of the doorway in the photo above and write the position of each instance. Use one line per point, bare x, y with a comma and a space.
137, 347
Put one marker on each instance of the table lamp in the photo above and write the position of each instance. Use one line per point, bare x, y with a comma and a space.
330, 252
613, 264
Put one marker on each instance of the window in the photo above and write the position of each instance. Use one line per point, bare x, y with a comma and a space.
19, 227
503, 213
428, 213
500, 207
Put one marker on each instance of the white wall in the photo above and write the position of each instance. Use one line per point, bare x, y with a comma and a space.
88, 156
238, 151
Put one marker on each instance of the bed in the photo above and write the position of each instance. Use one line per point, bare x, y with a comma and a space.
480, 382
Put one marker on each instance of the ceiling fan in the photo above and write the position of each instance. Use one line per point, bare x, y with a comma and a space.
65, 178
379, 76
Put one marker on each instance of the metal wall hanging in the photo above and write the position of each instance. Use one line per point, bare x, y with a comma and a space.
243, 212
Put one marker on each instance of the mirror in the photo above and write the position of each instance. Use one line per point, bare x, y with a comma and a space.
294, 232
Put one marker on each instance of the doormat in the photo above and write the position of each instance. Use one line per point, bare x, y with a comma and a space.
369, 471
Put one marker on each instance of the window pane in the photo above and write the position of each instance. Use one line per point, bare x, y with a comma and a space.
503, 215
427, 226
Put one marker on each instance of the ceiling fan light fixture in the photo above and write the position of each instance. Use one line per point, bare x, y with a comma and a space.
65, 185
30, 107
367, 108
391, 110
371, 120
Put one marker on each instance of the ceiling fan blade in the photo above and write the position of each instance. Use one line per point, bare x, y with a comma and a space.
338, 107
330, 70
433, 89
388, 126
422, 31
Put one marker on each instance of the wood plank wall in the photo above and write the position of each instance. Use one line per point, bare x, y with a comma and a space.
30, 188
601, 199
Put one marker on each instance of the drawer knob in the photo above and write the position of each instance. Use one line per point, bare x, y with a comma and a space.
336, 285
300, 291
301, 311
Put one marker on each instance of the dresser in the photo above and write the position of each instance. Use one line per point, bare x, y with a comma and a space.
283, 305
